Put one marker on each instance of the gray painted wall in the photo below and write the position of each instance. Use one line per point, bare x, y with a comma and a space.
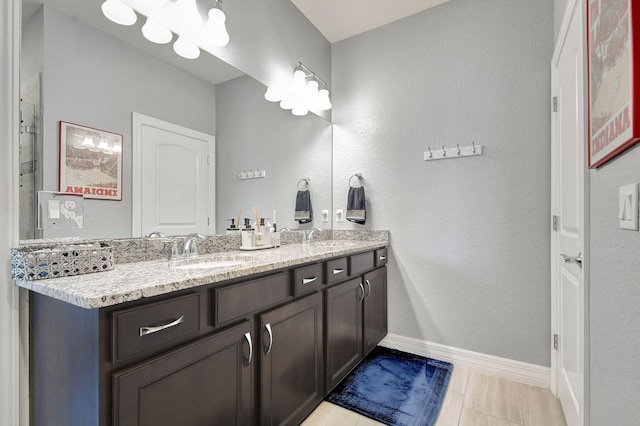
558, 13
614, 298
256, 134
469, 237
95, 80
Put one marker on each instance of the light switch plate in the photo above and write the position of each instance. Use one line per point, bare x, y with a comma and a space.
325, 215
339, 215
628, 206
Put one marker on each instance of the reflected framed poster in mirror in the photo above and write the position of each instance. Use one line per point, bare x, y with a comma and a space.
613, 28
90, 162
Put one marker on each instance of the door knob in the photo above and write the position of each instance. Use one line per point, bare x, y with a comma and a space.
577, 260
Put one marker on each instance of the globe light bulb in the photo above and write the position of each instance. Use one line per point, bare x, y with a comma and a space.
324, 103
272, 95
185, 48
186, 15
299, 110
155, 32
119, 12
285, 104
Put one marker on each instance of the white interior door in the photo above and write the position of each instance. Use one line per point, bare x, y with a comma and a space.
568, 207
174, 191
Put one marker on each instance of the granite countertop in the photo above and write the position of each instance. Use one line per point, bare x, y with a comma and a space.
133, 281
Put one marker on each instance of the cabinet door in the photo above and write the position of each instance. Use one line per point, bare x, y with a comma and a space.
203, 383
344, 329
292, 360
375, 308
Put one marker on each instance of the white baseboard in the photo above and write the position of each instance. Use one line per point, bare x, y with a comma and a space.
518, 371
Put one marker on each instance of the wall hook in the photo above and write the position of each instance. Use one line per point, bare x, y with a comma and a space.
444, 151
430, 153
474, 146
458, 145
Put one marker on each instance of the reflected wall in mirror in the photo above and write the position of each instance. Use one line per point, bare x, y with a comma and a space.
96, 73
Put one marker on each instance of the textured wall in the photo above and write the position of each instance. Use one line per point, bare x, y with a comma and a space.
614, 298
253, 133
469, 237
95, 80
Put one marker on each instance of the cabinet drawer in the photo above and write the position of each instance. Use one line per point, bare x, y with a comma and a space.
381, 257
336, 270
150, 327
360, 263
238, 300
307, 279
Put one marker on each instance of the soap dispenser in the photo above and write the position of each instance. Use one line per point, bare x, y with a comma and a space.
233, 229
248, 235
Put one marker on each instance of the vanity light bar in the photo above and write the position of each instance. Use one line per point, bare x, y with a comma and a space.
165, 17
306, 91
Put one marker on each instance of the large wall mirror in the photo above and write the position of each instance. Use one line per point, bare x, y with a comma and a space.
78, 67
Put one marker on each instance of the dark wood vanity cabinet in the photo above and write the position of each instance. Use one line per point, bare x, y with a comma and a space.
291, 361
264, 350
209, 379
356, 321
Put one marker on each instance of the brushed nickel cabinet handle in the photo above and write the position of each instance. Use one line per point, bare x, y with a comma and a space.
338, 271
368, 285
268, 327
247, 336
308, 280
361, 288
150, 330
383, 257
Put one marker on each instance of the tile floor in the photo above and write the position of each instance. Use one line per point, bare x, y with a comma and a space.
473, 399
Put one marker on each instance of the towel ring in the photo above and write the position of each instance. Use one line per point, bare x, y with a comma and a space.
307, 181
360, 178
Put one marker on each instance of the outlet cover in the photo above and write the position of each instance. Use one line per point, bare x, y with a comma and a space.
628, 206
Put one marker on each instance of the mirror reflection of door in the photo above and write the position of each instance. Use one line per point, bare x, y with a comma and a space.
173, 182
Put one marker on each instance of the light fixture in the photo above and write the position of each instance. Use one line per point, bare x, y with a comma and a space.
215, 29
302, 94
119, 12
186, 15
272, 95
182, 17
155, 32
185, 48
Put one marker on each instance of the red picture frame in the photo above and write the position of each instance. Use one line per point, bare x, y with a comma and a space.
90, 162
613, 40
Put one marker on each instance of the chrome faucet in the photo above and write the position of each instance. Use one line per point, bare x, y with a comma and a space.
190, 248
307, 235
155, 234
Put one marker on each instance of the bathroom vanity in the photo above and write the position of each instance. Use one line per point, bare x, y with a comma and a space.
259, 341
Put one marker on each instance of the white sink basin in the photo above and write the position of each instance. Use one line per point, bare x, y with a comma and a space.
212, 262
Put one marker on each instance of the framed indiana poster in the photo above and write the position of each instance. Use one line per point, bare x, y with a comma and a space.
90, 162
613, 28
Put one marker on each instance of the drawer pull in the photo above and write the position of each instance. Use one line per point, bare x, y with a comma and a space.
247, 336
268, 327
361, 288
338, 271
150, 330
309, 280
383, 257
368, 285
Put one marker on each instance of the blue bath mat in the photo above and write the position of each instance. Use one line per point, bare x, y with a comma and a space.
395, 388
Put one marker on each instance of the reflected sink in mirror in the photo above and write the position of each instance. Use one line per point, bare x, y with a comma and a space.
211, 262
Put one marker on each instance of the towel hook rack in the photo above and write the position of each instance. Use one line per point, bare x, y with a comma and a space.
306, 180
356, 175
451, 153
